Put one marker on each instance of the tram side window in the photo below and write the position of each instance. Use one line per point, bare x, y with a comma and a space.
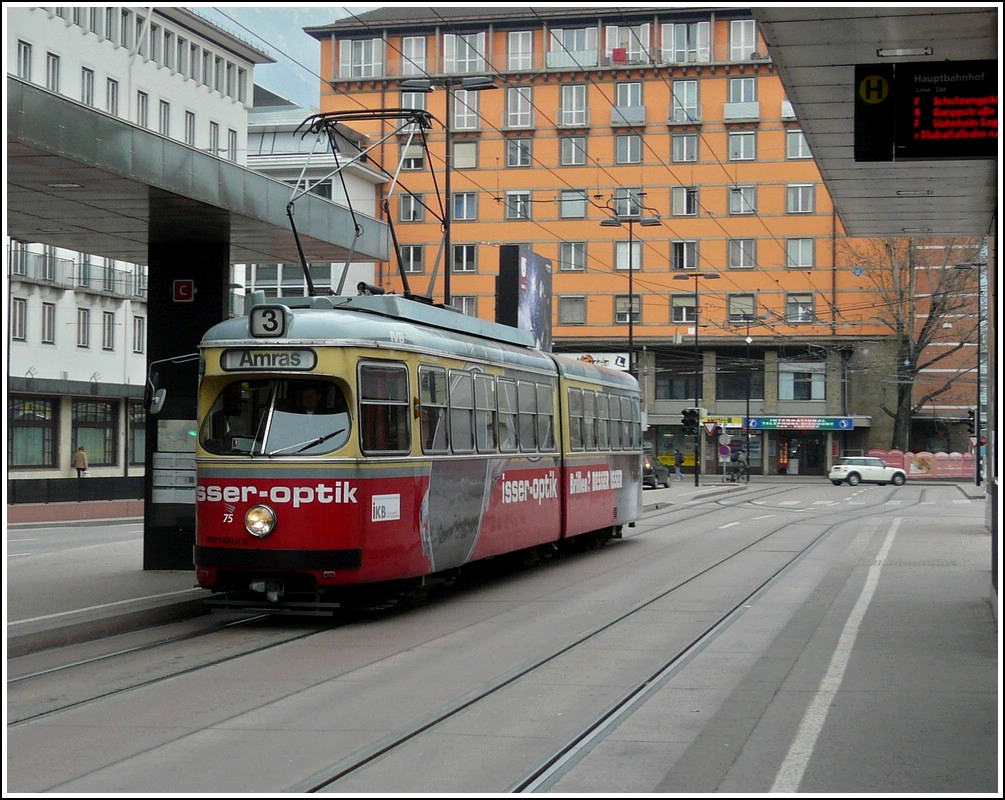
590, 420
603, 426
485, 413
433, 409
615, 423
527, 394
462, 412
627, 440
508, 436
384, 408
576, 419
636, 423
545, 416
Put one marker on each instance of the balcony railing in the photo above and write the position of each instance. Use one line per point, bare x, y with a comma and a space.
43, 269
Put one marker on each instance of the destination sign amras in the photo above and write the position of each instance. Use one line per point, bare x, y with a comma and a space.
801, 423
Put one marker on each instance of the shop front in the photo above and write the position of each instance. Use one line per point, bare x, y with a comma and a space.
800, 445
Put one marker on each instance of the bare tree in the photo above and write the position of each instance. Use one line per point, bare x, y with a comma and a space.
930, 306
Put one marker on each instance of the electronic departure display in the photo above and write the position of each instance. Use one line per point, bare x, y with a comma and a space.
928, 110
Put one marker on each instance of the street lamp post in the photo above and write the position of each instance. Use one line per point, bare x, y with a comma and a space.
470, 83
615, 222
697, 360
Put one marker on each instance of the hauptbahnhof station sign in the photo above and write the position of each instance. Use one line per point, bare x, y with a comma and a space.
929, 110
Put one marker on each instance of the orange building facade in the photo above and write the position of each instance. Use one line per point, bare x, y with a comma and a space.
723, 287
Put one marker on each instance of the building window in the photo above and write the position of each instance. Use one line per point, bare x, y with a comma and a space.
742, 199
684, 201
465, 111
799, 253
573, 110
743, 146
628, 149
23, 60
465, 155
137, 433
742, 40
48, 323
799, 308
108, 330
573, 151
19, 319
52, 72
519, 105
741, 307
741, 383
628, 94
411, 258
685, 147
572, 204
623, 305
628, 255
83, 327
232, 149
214, 138
572, 256
139, 334
520, 50
31, 436
628, 202
87, 86
112, 97
413, 55
571, 310
682, 308
685, 43
169, 50
799, 199
796, 146
410, 208
465, 206
94, 427
685, 102
804, 381
627, 44
164, 118
142, 109
518, 152
463, 53
684, 255
413, 158
742, 253
518, 205
742, 90
466, 304
464, 258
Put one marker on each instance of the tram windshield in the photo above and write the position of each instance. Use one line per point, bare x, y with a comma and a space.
275, 417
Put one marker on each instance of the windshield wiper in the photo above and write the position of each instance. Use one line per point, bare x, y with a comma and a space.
308, 444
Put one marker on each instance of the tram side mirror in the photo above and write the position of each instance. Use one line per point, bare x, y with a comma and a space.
157, 401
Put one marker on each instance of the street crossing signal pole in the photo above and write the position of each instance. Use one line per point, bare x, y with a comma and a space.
691, 423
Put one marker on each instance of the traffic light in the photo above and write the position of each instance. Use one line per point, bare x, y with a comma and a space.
691, 421
972, 421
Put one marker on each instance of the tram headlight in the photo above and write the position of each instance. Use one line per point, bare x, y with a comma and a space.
260, 521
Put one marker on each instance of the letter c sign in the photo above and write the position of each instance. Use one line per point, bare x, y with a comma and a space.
183, 291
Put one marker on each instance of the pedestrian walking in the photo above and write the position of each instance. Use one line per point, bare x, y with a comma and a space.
80, 461
678, 462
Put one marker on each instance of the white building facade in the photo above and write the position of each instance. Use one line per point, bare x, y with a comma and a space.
77, 323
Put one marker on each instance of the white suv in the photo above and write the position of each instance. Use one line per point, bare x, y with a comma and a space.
863, 468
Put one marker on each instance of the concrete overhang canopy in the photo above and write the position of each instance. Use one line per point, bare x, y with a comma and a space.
81, 179
816, 50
